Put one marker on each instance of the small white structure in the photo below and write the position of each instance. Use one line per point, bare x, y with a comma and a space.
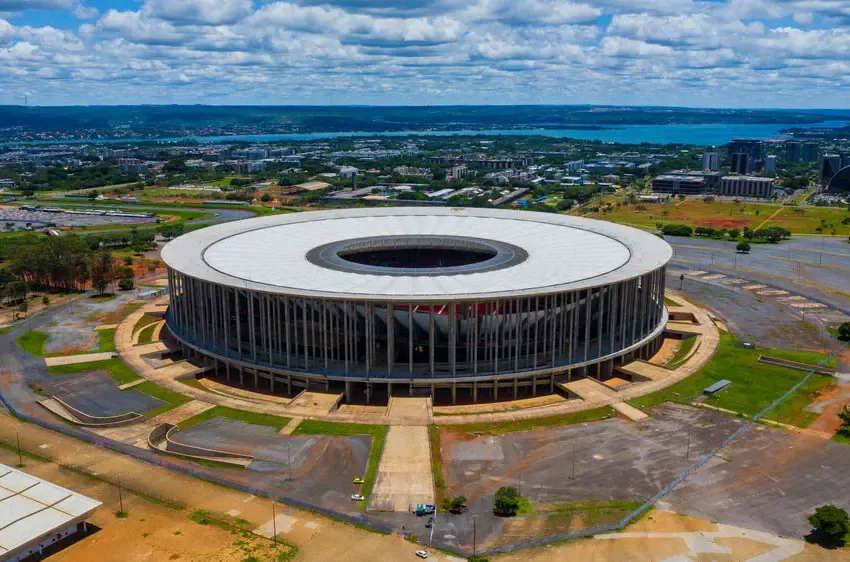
35, 514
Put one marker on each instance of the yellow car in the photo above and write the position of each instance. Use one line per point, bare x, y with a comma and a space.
358, 480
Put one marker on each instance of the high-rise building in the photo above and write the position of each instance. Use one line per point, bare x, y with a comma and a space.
750, 147
829, 166
711, 161
809, 152
738, 163
792, 151
770, 164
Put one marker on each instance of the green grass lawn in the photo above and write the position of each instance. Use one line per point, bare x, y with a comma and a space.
172, 399
117, 369
145, 320
487, 428
277, 422
379, 437
106, 340
103, 298
5, 330
684, 348
754, 385
146, 335
32, 342
670, 302
437, 464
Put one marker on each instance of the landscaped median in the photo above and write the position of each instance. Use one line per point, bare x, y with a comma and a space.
379, 437
754, 385
34, 341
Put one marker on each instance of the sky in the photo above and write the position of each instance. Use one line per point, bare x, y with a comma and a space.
696, 53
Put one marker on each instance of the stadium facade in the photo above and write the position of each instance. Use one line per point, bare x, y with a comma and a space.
464, 304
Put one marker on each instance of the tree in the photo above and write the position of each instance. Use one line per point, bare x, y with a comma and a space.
454, 504
844, 332
128, 260
102, 271
733, 233
45, 300
831, 526
125, 284
844, 416
266, 198
506, 502
16, 291
677, 230
743, 247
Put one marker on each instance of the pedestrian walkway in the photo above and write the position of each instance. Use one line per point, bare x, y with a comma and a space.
404, 474
76, 359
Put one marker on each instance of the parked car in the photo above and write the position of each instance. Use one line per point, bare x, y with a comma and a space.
421, 554
357, 497
358, 480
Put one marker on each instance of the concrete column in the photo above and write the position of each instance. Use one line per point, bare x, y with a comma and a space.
516, 388
454, 393
348, 391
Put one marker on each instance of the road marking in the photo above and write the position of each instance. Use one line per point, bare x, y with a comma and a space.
752, 287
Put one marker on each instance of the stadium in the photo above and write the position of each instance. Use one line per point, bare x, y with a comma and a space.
461, 304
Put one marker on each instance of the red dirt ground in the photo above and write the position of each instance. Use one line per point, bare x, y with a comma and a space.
723, 223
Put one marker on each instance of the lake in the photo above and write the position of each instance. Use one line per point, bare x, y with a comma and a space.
701, 134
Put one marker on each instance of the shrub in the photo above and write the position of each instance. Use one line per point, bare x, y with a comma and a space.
128, 260
266, 198
454, 504
506, 501
743, 247
831, 525
677, 230
844, 332
45, 300
125, 284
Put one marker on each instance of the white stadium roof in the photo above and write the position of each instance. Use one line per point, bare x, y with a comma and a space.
32, 509
270, 253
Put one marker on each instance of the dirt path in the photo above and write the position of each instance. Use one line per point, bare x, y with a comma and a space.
768, 219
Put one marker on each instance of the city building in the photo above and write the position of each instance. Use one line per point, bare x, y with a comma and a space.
752, 148
840, 182
711, 161
457, 172
469, 304
747, 186
130, 165
809, 152
739, 163
36, 514
792, 151
684, 185
770, 164
829, 166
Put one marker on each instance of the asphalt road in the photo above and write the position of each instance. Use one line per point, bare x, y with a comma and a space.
818, 261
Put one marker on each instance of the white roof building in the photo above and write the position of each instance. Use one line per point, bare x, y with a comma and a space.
35, 513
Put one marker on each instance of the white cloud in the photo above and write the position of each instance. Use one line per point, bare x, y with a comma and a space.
207, 12
430, 51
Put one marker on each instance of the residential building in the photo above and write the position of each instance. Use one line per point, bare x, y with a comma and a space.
770, 164
792, 151
711, 161
739, 163
747, 186
809, 151
130, 165
457, 172
752, 148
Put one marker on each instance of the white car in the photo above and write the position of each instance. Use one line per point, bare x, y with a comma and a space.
421, 554
357, 497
